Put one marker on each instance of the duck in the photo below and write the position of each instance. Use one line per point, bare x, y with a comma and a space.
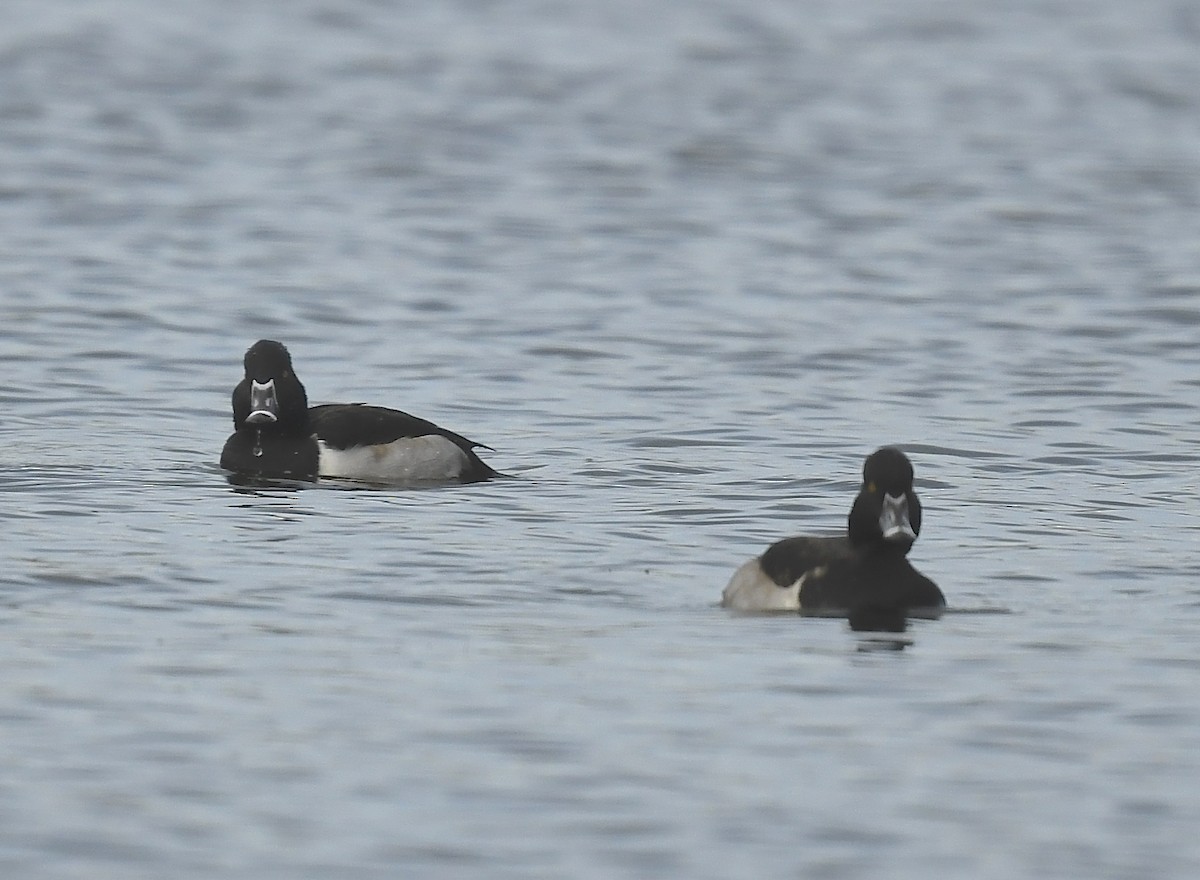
277, 435
864, 574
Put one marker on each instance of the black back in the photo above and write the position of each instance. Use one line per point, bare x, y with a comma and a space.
346, 425
871, 581
785, 561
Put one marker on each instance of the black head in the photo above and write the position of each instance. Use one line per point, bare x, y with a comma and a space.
270, 398
887, 513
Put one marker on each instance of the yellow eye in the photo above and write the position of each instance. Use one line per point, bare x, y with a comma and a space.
871, 488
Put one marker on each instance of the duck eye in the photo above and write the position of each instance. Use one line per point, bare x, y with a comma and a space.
872, 488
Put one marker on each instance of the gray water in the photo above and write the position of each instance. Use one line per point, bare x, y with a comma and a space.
683, 266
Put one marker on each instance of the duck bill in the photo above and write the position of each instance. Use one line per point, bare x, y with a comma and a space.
264, 405
893, 520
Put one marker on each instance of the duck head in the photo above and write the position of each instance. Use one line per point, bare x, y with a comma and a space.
886, 514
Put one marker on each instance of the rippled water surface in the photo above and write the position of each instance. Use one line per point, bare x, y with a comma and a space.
683, 266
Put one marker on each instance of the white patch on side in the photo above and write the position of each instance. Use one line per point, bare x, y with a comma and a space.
751, 590
432, 457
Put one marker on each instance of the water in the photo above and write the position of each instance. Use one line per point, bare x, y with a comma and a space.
683, 266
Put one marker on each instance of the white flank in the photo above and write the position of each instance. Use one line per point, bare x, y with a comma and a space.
410, 459
751, 590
